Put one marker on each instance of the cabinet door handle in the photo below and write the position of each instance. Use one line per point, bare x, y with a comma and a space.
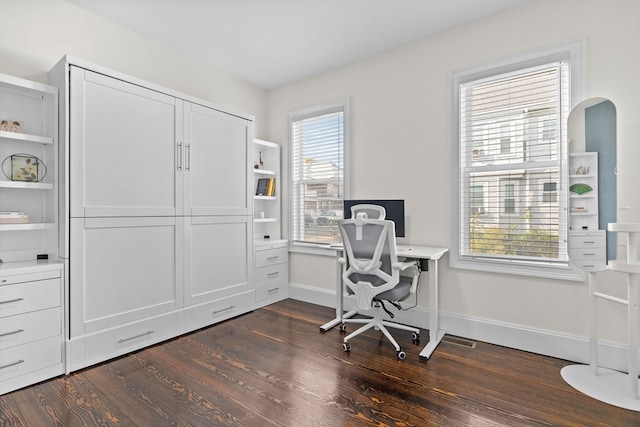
17, 331
231, 307
11, 300
188, 154
121, 340
179, 156
8, 365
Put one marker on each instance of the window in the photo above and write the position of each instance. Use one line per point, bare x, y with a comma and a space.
508, 198
509, 163
505, 138
549, 192
476, 200
318, 144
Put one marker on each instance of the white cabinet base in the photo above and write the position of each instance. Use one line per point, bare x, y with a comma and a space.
271, 274
32, 344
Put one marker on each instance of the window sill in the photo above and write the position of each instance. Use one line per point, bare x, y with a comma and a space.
557, 272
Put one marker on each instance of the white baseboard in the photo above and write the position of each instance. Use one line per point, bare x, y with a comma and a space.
549, 343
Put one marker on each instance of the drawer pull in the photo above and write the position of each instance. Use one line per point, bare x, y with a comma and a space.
121, 340
12, 332
273, 290
12, 364
271, 258
589, 254
11, 300
274, 274
589, 241
4, 280
231, 307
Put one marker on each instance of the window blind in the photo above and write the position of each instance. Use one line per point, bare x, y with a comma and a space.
512, 140
317, 169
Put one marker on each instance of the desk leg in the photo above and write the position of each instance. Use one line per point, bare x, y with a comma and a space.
340, 314
435, 334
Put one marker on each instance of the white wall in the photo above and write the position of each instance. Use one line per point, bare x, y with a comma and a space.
35, 34
400, 120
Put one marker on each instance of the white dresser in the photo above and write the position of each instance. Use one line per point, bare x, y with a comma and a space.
31, 323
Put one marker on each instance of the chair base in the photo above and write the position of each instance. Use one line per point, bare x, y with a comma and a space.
378, 324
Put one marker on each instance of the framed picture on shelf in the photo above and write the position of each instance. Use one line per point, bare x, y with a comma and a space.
27, 168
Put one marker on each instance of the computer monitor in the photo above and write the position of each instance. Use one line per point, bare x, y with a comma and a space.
394, 208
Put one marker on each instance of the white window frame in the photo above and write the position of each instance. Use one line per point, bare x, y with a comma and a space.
571, 51
308, 112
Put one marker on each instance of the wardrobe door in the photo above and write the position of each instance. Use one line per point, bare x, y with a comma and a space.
124, 270
218, 260
216, 170
124, 150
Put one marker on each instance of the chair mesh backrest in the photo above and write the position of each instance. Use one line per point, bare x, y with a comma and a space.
362, 247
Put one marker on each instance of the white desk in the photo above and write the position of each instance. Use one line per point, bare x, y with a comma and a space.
432, 255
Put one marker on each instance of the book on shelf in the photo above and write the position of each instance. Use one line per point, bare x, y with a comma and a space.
271, 189
266, 187
11, 217
263, 185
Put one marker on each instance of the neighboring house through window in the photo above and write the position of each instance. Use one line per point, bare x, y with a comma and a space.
319, 140
509, 163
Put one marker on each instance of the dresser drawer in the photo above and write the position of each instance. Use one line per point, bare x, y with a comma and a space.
268, 291
272, 274
24, 328
272, 256
590, 265
28, 277
30, 296
595, 253
588, 241
23, 359
117, 341
218, 310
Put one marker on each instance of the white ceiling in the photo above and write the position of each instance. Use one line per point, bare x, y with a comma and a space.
270, 43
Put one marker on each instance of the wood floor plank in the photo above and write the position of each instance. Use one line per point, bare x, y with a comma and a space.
273, 367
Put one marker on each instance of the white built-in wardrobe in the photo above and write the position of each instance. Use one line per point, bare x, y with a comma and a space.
155, 214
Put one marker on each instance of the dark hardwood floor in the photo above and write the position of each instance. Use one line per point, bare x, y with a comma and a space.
273, 367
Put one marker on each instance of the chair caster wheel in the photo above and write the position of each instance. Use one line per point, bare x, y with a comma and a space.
415, 336
346, 346
402, 355
343, 327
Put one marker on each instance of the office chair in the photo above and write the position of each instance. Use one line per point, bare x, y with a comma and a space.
371, 272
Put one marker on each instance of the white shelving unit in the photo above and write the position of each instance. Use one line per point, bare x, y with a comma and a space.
271, 256
266, 208
35, 107
583, 208
32, 340
587, 244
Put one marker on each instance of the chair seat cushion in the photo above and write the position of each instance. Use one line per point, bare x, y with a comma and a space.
399, 293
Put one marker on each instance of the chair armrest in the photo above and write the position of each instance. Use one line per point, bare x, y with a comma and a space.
404, 265
416, 272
